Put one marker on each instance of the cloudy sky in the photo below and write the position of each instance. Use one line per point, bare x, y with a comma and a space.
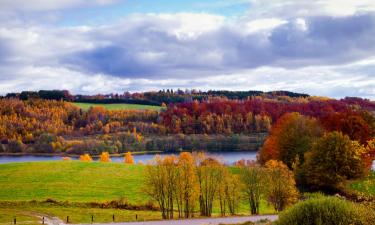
320, 47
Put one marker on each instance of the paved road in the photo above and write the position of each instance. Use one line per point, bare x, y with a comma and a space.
202, 221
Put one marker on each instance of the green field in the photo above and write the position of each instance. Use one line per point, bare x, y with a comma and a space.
76, 182
365, 186
86, 106
71, 181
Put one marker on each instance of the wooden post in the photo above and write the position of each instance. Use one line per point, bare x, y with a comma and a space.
136, 216
15, 220
113, 218
67, 219
92, 218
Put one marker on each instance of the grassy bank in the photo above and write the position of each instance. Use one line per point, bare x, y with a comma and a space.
365, 186
73, 183
86, 106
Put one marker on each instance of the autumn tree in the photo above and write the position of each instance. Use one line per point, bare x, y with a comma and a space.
357, 125
252, 177
85, 158
128, 159
104, 157
209, 174
281, 188
186, 190
289, 139
333, 159
160, 183
229, 192
369, 155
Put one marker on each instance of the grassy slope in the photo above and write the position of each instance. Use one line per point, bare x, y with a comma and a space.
76, 181
70, 181
366, 186
86, 106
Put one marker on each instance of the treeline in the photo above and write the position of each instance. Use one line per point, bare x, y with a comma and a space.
41, 125
54, 126
42, 94
258, 114
168, 96
188, 184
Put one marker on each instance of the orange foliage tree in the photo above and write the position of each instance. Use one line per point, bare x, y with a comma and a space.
128, 159
85, 158
104, 157
291, 136
281, 188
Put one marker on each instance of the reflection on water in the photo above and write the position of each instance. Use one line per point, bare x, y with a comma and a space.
227, 157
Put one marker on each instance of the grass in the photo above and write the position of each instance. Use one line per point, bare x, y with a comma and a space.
86, 106
77, 182
366, 185
71, 181
31, 213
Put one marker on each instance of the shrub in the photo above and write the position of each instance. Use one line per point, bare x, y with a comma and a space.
104, 157
128, 159
324, 210
85, 158
333, 159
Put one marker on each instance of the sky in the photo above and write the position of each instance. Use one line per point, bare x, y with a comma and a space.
320, 47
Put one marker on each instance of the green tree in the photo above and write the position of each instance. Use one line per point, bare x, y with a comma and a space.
252, 178
333, 159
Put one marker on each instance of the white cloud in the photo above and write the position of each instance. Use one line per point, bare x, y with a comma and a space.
46, 5
303, 8
281, 45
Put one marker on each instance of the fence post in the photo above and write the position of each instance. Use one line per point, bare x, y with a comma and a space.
92, 218
136, 216
15, 220
67, 219
113, 218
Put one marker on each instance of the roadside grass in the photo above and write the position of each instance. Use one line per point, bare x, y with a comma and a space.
366, 185
75, 182
117, 106
22, 217
30, 212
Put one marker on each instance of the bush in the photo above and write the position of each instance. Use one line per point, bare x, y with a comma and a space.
325, 211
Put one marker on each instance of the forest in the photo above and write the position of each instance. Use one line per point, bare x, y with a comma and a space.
41, 124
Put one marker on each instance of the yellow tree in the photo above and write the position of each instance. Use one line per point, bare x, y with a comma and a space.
229, 191
104, 157
128, 159
281, 188
186, 185
209, 174
85, 158
160, 180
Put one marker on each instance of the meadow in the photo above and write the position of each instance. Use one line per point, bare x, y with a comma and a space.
73, 182
119, 106
366, 185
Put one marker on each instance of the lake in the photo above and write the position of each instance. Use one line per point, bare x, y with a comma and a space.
226, 157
